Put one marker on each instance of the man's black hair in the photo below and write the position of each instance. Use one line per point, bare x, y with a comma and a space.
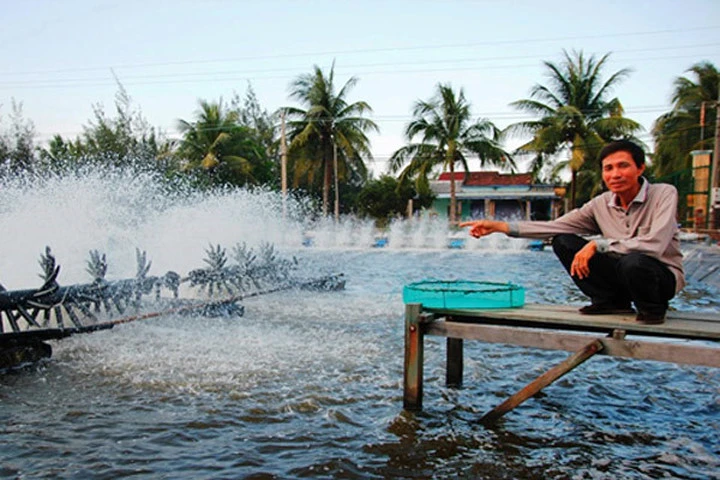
633, 149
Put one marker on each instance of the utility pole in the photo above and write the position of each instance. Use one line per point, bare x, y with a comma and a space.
715, 172
337, 192
283, 164
702, 125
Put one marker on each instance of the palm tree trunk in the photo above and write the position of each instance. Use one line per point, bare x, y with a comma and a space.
573, 187
336, 184
453, 200
326, 187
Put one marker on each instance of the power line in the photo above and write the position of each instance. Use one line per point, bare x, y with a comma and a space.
424, 48
212, 77
266, 74
493, 116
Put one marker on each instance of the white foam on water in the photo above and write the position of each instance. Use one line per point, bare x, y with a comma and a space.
116, 211
325, 369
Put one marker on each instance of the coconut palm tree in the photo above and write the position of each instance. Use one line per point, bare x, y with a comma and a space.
328, 134
215, 142
678, 132
576, 116
447, 135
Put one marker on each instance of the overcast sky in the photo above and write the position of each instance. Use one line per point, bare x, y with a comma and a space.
59, 58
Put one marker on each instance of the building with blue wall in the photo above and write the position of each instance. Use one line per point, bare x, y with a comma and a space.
497, 196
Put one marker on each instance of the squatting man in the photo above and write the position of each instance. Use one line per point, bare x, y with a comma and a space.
635, 260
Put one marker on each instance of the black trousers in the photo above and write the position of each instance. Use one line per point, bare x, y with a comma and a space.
620, 279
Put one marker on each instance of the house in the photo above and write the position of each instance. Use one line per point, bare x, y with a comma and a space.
497, 196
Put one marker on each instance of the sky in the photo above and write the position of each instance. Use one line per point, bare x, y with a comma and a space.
61, 59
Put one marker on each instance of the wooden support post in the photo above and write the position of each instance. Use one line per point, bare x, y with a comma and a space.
454, 363
618, 334
413, 368
543, 381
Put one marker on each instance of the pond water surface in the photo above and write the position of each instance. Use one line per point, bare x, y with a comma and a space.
309, 385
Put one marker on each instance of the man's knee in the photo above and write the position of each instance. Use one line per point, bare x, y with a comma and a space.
643, 268
642, 272
634, 262
567, 242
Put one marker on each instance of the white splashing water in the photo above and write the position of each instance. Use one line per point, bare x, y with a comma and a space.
118, 211
315, 376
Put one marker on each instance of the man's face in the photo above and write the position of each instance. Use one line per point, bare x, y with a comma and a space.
620, 173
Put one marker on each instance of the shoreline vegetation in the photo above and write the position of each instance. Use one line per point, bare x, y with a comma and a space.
319, 148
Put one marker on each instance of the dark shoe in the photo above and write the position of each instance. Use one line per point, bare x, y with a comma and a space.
606, 309
650, 318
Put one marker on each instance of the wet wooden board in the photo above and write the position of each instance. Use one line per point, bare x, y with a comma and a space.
691, 338
685, 325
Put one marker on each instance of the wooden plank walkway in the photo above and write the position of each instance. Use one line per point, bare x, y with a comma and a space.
685, 337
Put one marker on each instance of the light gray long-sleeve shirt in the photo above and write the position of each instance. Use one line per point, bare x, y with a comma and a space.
649, 226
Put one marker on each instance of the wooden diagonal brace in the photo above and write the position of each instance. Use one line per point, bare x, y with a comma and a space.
543, 381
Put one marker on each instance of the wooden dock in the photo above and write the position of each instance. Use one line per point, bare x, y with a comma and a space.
685, 338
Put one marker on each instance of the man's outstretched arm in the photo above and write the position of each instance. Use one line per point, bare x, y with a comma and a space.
480, 228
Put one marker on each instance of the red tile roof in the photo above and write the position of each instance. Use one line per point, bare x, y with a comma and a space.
484, 179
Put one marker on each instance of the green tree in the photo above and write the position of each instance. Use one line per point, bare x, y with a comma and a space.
447, 135
387, 197
217, 145
576, 116
253, 116
125, 138
680, 131
329, 133
60, 153
17, 145
262, 127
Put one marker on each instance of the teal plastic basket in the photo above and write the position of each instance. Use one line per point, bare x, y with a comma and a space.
464, 294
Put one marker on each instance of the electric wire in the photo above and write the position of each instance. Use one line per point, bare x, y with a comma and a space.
423, 48
423, 67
